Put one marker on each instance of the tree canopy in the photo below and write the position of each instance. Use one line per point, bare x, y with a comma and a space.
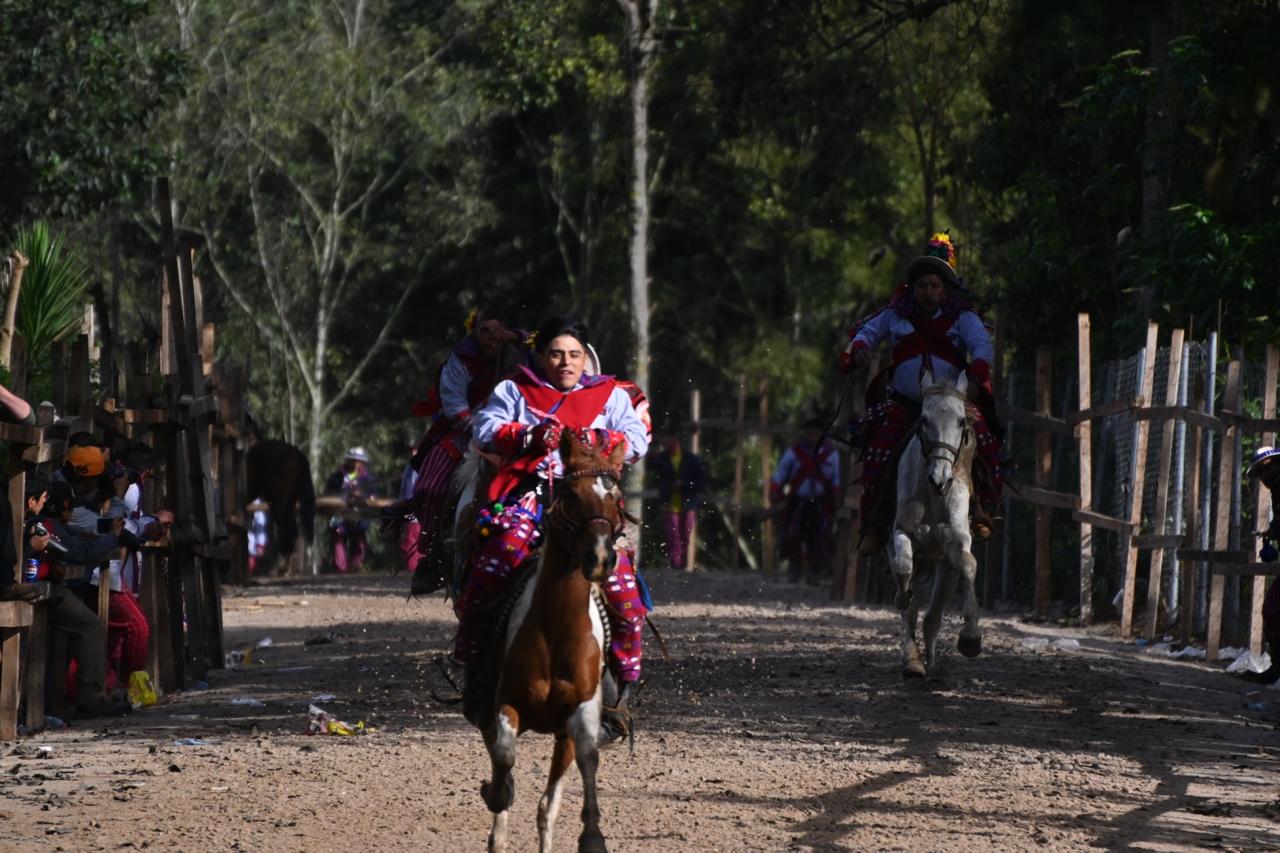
356, 175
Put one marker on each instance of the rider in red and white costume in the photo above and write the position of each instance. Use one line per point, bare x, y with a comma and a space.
930, 325
523, 423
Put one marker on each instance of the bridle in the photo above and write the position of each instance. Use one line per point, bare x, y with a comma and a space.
570, 528
929, 448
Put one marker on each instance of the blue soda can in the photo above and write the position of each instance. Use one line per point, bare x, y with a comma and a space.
31, 570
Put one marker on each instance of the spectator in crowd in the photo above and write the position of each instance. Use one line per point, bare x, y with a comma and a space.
681, 480
50, 546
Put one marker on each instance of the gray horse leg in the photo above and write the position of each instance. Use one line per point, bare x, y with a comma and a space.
970, 642
944, 586
902, 562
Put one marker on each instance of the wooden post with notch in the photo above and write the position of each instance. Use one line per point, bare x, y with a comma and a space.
1162, 485
1138, 485
1084, 446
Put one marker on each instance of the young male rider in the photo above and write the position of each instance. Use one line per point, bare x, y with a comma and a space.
523, 422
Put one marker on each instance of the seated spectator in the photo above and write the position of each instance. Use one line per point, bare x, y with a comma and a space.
51, 544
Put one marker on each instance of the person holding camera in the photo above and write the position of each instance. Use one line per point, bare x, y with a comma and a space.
49, 546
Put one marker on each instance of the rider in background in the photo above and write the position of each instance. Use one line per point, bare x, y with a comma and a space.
931, 326
523, 423
809, 474
410, 527
354, 483
464, 383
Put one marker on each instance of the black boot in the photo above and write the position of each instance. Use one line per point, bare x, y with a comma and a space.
429, 575
615, 716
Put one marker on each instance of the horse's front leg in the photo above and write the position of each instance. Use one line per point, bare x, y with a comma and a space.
902, 562
500, 790
549, 805
584, 728
944, 586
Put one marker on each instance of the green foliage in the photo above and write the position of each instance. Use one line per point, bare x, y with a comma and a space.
77, 94
51, 302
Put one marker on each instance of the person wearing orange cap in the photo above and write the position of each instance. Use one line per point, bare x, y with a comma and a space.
931, 327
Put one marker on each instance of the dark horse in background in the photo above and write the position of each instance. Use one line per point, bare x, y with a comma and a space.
278, 473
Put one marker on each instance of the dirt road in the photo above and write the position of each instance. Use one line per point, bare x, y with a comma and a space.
779, 723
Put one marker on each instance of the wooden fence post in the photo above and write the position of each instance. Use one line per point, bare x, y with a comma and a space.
1186, 568
1084, 441
769, 558
1044, 463
1262, 500
1139, 484
1222, 520
1162, 485
695, 447
739, 421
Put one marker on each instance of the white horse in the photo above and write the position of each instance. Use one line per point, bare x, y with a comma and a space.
932, 522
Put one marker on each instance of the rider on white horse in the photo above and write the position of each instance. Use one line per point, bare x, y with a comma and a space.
931, 326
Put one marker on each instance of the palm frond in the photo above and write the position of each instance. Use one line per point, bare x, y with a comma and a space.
51, 304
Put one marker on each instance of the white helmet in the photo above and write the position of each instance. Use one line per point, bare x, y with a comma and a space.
358, 454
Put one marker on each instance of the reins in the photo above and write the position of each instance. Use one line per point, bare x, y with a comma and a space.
570, 528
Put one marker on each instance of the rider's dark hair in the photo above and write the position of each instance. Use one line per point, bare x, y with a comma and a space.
491, 313
554, 327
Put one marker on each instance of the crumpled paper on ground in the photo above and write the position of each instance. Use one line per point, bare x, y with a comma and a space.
321, 722
141, 693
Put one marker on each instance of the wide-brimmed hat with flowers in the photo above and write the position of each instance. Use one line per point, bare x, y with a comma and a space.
939, 258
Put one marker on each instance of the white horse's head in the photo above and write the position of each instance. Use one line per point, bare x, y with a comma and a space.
945, 429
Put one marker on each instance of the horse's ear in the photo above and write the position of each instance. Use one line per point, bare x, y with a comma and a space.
619, 454
570, 447
926, 378
962, 383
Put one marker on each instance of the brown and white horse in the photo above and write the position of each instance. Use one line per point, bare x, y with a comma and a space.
549, 676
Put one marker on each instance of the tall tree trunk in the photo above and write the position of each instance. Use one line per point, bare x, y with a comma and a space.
641, 28
20, 262
1156, 165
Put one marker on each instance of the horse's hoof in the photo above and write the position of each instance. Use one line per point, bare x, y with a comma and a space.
970, 647
593, 843
912, 670
499, 802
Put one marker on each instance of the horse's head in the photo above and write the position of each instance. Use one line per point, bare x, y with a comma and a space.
588, 512
946, 428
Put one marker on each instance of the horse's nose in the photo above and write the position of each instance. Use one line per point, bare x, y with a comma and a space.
942, 488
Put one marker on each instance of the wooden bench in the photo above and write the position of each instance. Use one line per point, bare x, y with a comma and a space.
15, 622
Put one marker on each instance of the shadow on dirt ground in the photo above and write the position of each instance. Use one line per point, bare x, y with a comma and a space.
779, 722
